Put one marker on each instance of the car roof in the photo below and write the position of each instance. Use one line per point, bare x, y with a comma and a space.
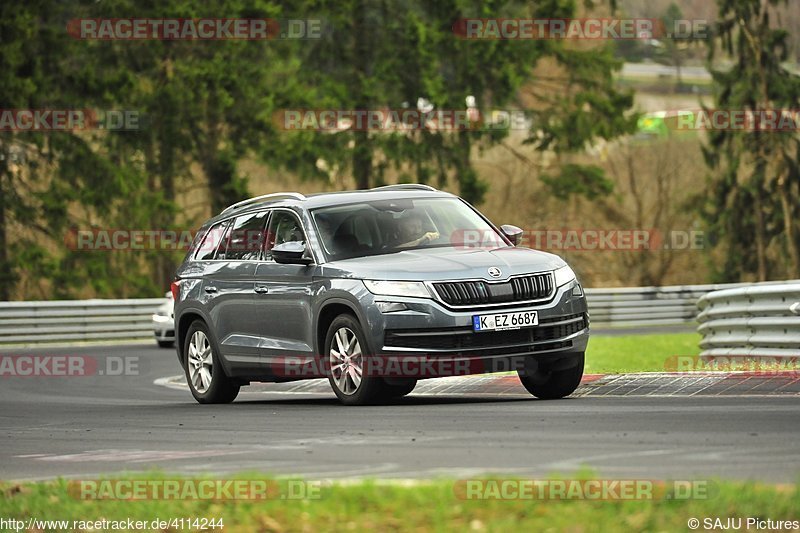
326, 199
314, 201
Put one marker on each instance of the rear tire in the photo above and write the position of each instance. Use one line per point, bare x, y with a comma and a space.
554, 381
204, 372
347, 353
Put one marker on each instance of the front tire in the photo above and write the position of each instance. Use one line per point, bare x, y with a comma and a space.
397, 388
204, 372
553, 380
346, 350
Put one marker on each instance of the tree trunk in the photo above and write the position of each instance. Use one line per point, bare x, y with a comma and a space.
362, 160
166, 263
788, 226
761, 248
470, 186
6, 276
362, 149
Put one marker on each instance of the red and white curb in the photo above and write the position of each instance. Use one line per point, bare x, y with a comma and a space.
505, 385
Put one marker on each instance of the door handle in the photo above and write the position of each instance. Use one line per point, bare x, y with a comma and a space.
261, 289
210, 288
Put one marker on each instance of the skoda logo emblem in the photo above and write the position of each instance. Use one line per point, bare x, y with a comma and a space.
495, 272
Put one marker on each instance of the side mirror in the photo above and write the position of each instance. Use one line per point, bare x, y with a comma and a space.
513, 233
291, 253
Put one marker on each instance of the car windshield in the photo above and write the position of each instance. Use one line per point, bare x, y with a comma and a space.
390, 226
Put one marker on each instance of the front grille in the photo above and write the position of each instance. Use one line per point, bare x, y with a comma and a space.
464, 341
518, 289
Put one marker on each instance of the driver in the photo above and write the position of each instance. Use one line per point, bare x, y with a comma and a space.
411, 234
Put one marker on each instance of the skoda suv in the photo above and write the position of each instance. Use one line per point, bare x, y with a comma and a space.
373, 290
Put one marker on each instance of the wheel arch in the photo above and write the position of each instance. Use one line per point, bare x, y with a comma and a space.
182, 327
328, 311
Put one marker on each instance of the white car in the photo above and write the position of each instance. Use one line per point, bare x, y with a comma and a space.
164, 323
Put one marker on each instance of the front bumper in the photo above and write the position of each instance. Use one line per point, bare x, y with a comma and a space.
429, 331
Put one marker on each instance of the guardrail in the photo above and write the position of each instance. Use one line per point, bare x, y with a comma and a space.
76, 320
735, 319
97, 320
647, 306
756, 320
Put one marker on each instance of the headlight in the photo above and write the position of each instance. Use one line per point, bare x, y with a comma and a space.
398, 288
563, 275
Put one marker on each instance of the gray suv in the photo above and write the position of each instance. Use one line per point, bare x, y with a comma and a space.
374, 290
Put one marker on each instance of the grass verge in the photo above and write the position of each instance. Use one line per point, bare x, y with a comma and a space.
426, 506
638, 353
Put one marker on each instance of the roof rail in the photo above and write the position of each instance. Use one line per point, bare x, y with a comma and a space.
404, 186
271, 196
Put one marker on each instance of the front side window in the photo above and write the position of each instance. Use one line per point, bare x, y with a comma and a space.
390, 226
283, 227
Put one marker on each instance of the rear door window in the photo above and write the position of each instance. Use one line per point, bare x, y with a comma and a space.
246, 238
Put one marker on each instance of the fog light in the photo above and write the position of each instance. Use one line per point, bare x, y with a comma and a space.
577, 290
391, 307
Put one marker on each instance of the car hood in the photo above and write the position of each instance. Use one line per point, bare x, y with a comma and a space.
444, 264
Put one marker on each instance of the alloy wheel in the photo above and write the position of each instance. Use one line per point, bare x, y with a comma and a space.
346, 360
201, 362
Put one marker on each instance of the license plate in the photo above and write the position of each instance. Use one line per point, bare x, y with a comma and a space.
504, 321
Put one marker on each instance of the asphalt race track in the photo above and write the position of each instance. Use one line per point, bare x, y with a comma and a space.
98, 424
